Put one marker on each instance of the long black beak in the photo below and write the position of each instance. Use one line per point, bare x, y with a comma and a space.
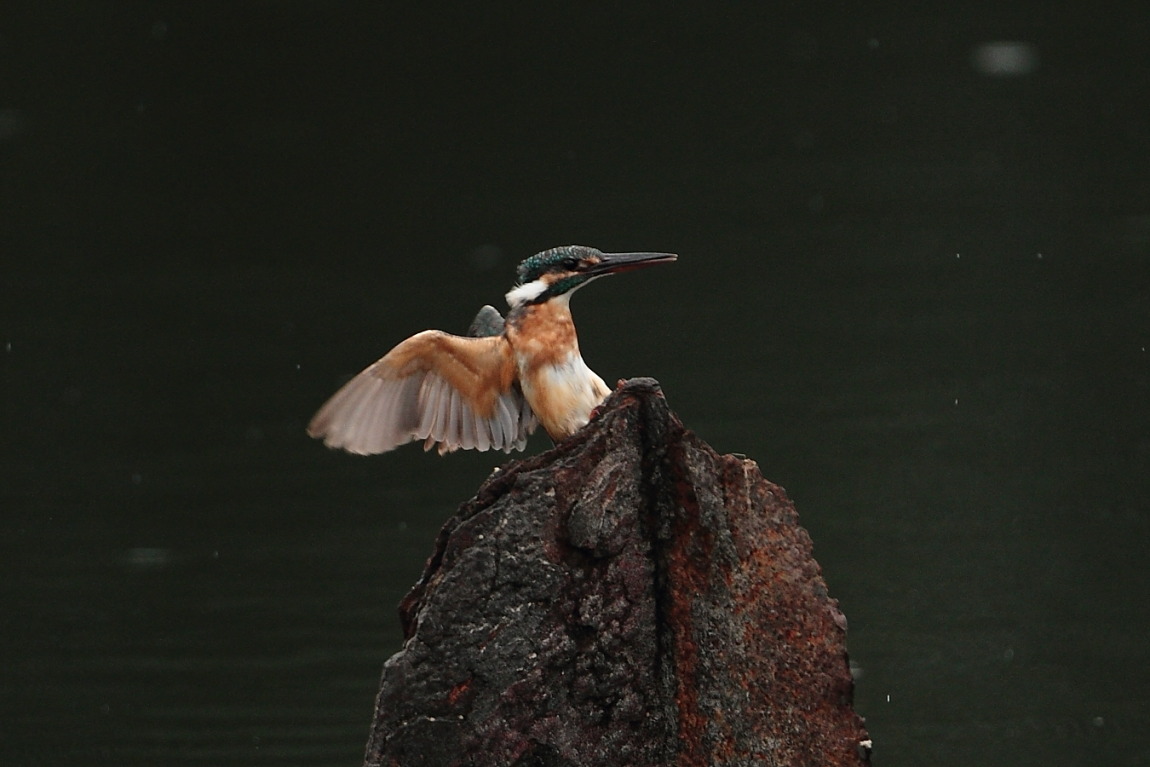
625, 262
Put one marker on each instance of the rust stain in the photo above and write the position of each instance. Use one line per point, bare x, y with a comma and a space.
457, 693
688, 577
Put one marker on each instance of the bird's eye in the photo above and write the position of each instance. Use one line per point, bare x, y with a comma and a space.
571, 264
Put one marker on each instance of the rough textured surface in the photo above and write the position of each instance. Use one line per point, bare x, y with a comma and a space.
627, 598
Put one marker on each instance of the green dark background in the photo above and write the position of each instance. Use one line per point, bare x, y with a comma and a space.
914, 285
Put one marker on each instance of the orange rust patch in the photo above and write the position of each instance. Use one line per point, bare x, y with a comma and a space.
458, 691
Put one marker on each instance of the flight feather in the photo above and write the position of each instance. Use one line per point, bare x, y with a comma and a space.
449, 391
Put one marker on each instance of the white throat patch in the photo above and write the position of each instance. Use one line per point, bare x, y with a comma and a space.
521, 294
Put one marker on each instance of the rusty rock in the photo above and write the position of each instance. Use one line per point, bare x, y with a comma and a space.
628, 598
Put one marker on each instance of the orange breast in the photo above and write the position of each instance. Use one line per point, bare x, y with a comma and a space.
557, 383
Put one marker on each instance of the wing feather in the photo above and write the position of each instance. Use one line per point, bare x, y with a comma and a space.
483, 434
454, 414
498, 421
449, 391
430, 411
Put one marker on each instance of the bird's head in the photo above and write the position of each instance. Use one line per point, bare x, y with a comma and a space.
558, 272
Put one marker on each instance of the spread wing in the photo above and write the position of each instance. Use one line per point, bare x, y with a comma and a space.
450, 391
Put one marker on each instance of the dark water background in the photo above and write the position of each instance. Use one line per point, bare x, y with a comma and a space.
914, 285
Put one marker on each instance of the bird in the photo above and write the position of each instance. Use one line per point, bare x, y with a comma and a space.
493, 387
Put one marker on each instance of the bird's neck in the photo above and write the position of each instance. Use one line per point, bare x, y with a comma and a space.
542, 334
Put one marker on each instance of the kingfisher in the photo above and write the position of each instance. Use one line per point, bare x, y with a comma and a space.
491, 388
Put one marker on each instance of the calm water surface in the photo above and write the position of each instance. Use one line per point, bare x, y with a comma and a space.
918, 295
